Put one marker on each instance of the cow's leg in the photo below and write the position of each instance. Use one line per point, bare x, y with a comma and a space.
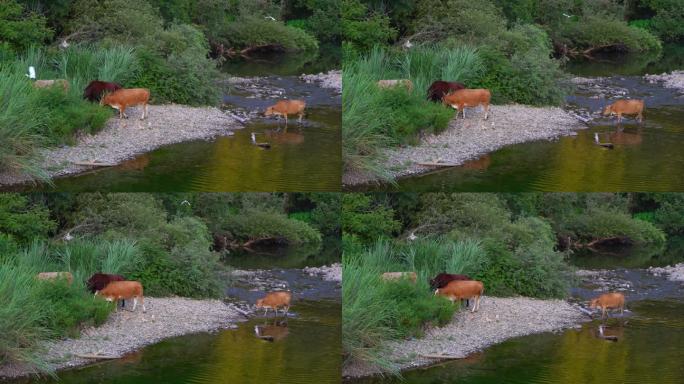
641, 117
287, 310
486, 110
122, 112
142, 302
135, 302
463, 108
286, 120
301, 116
144, 115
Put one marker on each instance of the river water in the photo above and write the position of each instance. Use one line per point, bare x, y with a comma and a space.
650, 336
304, 157
645, 157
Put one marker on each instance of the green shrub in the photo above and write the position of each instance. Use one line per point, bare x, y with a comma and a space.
20, 28
255, 31
598, 223
594, 31
252, 224
361, 29
23, 221
365, 219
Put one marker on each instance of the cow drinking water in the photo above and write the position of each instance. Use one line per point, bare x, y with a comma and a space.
607, 301
625, 107
275, 300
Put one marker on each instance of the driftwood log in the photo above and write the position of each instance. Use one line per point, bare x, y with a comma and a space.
449, 357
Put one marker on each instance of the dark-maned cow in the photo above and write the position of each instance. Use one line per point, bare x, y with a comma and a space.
441, 280
440, 88
96, 88
99, 281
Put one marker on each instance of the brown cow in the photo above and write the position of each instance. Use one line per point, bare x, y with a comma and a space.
625, 107
275, 300
468, 98
124, 98
395, 276
463, 290
123, 290
54, 276
613, 300
287, 107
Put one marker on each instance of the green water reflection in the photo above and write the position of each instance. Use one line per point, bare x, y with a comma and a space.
306, 351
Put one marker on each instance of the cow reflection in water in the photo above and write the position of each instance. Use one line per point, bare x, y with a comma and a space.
284, 137
620, 137
276, 331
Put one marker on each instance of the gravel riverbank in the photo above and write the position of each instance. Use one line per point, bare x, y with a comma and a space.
127, 331
674, 273
674, 79
331, 79
497, 320
123, 140
468, 139
327, 273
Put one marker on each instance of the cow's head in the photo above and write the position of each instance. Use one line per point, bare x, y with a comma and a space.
259, 303
269, 111
608, 110
593, 303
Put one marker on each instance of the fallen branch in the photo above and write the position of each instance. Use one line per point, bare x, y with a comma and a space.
98, 357
449, 357
93, 164
439, 164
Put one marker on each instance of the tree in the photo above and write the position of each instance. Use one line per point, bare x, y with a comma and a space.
20, 28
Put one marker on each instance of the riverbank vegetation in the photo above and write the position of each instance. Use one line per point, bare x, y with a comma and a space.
171, 243
516, 244
516, 49
172, 48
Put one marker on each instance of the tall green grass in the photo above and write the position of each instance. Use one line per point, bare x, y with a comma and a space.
375, 311
33, 310
375, 119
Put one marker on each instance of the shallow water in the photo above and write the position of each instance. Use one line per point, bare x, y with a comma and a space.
648, 350
304, 157
307, 350
646, 157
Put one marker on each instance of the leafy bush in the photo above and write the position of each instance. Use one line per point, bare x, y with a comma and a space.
251, 224
363, 30
253, 31
23, 221
365, 219
594, 31
20, 28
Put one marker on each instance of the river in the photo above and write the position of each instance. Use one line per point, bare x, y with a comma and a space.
644, 158
650, 336
232, 163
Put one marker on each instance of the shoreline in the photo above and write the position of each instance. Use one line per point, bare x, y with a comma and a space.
120, 141
498, 320
469, 139
125, 332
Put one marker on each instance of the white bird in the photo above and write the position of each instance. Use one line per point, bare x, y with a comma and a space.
596, 138
412, 236
64, 44
68, 237
253, 138
270, 18
408, 44
566, 15
185, 202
